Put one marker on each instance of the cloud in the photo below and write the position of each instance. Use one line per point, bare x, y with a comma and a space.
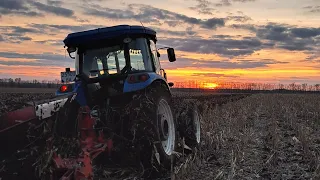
224, 47
203, 7
239, 18
146, 13
26, 63
223, 3
59, 28
229, 2
32, 8
60, 11
248, 27
20, 30
17, 7
312, 9
16, 34
13, 5
214, 75
285, 36
44, 59
187, 32
16, 38
51, 42
305, 32
43, 56
54, 2
223, 64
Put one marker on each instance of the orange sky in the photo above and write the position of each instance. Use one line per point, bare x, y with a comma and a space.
215, 41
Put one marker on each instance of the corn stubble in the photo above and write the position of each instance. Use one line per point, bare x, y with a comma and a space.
263, 136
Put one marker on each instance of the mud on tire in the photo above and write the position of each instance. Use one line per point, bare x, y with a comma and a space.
146, 127
189, 123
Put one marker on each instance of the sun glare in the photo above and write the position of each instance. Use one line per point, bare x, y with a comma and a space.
210, 85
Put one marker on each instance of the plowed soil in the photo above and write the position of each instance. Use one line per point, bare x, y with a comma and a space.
261, 136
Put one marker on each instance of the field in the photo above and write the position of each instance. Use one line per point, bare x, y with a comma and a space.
259, 136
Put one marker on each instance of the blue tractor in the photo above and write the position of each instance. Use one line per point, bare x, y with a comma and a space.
118, 100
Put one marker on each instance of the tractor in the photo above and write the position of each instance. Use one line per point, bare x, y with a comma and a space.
114, 110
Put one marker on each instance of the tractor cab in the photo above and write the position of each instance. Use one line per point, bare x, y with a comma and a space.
121, 59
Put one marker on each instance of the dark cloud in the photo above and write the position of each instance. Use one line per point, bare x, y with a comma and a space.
149, 14
223, 64
222, 36
54, 2
20, 30
16, 34
243, 1
187, 32
44, 56
45, 59
38, 63
289, 38
229, 2
214, 75
17, 7
32, 8
223, 47
51, 42
60, 28
223, 3
203, 7
285, 36
305, 32
13, 5
239, 18
248, 27
60, 11
16, 38
313, 9
25, 63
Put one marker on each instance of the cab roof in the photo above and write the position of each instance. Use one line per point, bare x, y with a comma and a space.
100, 34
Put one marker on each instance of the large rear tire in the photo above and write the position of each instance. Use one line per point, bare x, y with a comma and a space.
154, 127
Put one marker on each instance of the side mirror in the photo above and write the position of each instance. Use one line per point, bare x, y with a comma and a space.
71, 50
170, 84
171, 54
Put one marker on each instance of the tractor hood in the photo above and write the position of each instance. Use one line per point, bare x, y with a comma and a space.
100, 35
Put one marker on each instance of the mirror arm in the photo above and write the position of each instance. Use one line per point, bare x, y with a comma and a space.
164, 73
163, 48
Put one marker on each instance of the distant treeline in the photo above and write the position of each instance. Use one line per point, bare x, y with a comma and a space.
9, 82
237, 86
190, 86
242, 91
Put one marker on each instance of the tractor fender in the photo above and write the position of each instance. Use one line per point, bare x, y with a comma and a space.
153, 77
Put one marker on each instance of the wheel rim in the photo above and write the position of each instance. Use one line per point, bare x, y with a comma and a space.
197, 126
167, 128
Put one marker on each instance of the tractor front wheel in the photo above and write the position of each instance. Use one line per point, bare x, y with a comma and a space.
189, 124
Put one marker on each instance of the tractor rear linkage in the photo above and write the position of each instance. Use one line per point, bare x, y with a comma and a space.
91, 144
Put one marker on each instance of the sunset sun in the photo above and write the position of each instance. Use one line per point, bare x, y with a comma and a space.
210, 85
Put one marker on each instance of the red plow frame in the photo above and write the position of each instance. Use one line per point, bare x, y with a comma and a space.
14, 124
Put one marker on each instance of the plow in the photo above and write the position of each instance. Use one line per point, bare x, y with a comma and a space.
113, 116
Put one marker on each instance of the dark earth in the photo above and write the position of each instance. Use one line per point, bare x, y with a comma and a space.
260, 136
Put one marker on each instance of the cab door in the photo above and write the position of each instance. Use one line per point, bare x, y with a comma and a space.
156, 60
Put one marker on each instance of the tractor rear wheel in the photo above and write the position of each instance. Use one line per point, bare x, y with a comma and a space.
155, 128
